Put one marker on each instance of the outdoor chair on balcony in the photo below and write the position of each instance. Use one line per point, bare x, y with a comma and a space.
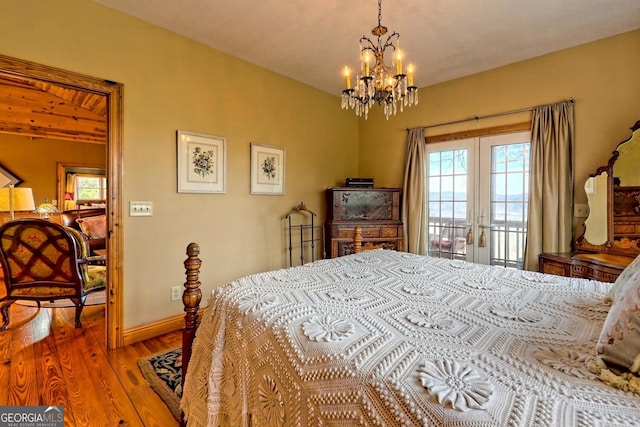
44, 261
450, 240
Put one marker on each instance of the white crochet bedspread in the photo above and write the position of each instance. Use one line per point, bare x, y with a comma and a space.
385, 338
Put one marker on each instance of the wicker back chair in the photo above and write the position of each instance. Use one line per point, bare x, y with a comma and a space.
44, 261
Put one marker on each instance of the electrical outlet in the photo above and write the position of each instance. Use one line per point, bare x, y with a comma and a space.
581, 210
176, 293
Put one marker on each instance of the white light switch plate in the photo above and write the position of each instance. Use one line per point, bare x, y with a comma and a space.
140, 208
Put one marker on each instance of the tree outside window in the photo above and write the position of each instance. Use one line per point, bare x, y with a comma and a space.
91, 188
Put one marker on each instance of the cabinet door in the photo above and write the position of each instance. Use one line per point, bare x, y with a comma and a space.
365, 205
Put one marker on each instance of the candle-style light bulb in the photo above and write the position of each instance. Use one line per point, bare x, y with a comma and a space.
410, 74
347, 78
366, 64
399, 62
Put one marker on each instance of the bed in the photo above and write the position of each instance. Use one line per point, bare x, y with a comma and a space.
387, 338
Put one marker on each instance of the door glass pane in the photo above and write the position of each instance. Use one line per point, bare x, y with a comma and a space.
509, 196
447, 184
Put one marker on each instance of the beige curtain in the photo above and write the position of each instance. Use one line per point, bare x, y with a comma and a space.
414, 194
71, 183
550, 220
70, 187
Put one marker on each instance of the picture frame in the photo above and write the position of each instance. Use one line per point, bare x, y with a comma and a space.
267, 169
202, 162
8, 178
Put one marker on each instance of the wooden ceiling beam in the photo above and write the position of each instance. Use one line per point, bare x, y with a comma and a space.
63, 135
42, 110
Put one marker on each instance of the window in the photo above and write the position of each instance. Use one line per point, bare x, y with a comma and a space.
90, 188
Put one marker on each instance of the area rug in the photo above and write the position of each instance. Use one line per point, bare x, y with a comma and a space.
93, 298
163, 372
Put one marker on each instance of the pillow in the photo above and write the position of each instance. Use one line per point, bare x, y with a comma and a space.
619, 343
623, 277
95, 227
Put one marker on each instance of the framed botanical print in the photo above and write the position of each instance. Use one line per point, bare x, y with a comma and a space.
8, 178
267, 169
201, 163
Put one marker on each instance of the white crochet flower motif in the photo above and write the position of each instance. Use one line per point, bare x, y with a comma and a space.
288, 276
512, 311
481, 282
361, 274
534, 276
419, 288
565, 360
271, 401
348, 295
462, 265
432, 320
454, 385
227, 383
257, 302
327, 328
415, 269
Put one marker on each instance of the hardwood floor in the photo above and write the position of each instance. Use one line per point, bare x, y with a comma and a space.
47, 361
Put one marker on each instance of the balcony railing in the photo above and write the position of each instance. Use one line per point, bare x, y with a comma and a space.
448, 239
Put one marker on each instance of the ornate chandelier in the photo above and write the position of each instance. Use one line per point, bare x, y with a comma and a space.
389, 86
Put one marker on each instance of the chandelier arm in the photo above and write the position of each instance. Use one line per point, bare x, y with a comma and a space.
389, 42
368, 40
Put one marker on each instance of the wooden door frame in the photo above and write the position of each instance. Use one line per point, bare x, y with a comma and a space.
114, 92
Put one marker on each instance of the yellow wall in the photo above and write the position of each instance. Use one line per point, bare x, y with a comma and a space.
172, 83
35, 161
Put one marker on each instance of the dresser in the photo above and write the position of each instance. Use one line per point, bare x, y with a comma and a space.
375, 210
598, 266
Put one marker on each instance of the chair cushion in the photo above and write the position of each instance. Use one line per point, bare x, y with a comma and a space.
97, 278
43, 291
95, 227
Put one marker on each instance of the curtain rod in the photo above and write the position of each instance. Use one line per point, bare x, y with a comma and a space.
488, 116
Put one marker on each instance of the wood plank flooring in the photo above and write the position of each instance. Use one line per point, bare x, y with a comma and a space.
47, 361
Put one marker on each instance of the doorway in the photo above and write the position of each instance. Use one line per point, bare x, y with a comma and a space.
42, 76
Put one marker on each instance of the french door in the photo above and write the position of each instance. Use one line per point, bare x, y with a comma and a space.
478, 191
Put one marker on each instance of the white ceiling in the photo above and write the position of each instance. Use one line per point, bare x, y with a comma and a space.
312, 41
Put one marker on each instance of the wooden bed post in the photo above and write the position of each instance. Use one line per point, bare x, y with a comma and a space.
191, 299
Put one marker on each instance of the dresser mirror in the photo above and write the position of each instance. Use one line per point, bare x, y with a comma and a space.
595, 225
613, 193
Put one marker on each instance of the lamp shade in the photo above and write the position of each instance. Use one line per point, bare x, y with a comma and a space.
22, 199
46, 209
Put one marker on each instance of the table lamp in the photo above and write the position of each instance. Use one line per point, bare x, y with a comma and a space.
16, 199
68, 201
46, 209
